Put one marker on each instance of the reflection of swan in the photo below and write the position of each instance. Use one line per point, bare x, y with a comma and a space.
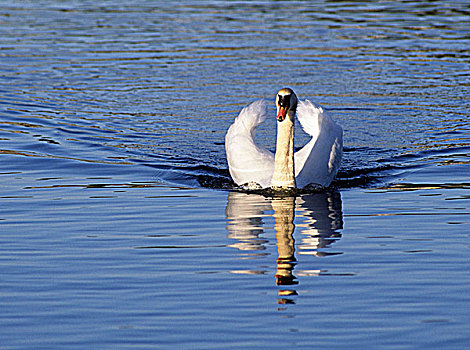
284, 225
315, 164
244, 213
317, 216
321, 218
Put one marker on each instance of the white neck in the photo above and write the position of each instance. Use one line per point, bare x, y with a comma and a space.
283, 175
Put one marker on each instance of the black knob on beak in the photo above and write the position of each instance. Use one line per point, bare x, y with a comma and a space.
283, 101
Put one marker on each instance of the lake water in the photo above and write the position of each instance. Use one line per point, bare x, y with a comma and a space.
119, 228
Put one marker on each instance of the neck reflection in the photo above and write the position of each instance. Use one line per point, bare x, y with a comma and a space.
315, 218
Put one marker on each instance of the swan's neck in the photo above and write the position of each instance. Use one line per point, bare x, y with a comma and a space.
283, 176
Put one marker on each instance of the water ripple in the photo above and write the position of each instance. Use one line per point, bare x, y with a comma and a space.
129, 90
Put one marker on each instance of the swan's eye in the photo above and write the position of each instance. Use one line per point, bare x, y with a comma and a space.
284, 100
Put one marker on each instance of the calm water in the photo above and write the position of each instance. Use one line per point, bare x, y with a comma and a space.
118, 225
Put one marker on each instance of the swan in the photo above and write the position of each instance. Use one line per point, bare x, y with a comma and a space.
315, 165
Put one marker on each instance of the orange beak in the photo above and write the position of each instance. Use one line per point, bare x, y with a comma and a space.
281, 113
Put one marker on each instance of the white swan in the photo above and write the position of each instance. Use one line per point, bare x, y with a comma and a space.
316, 164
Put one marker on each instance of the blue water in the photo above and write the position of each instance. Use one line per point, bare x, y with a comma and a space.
119, 224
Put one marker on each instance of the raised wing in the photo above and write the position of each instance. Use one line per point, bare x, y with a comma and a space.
319, 160
247, 161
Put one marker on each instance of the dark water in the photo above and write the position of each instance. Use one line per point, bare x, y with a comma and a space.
118, 226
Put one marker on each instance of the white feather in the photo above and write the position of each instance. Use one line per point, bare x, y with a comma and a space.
315, 164
318, 161
247, 161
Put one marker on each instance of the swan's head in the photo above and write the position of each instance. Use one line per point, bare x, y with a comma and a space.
286, 101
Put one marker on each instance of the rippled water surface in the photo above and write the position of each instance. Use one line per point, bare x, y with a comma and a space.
119, 224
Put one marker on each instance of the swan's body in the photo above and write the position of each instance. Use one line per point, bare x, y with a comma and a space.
316, 164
